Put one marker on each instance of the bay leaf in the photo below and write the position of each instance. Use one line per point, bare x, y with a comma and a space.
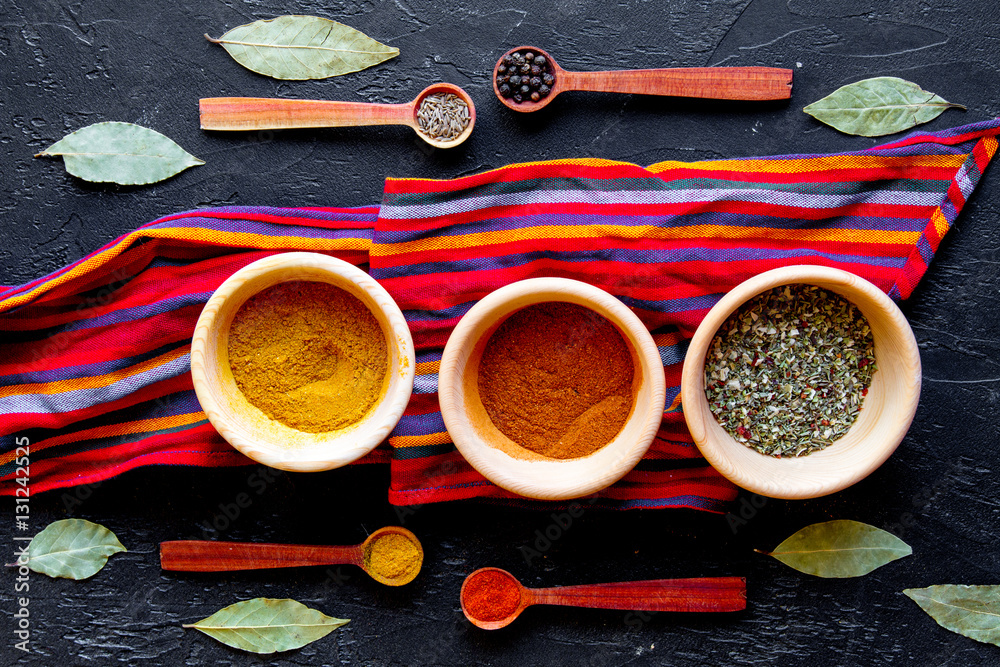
840, 549
121, 153
973, 611
72, 549
874, 107
265, 625
303, 47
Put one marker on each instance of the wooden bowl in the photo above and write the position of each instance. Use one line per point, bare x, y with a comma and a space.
886, 413
245, 426
486, 448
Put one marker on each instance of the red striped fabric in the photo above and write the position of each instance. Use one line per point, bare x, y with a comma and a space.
94, 369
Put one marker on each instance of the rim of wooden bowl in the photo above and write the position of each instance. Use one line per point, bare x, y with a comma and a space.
886, 414
248, 429
540, 477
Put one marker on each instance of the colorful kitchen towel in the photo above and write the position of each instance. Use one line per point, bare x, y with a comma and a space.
93, 359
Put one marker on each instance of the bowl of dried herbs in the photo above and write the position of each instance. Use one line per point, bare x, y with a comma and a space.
801, 381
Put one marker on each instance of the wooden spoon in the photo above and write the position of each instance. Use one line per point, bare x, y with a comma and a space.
266, 113
717, 83
685, 595
211, 556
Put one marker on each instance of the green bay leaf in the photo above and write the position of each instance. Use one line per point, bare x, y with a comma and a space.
265, 625
303, 47
874, 107
973, 611
121, 153
840, 549
72, 549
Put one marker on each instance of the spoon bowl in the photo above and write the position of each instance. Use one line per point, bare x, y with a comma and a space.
212, 556
719, 83
504, 597
264, 113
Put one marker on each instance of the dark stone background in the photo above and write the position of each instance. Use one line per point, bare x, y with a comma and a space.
68, 64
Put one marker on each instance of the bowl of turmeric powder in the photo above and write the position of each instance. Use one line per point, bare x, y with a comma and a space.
303, 362
551, 388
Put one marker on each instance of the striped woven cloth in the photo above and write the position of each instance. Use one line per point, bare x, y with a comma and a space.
94, 358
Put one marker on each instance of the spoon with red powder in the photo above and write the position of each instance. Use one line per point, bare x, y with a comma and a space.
492, 598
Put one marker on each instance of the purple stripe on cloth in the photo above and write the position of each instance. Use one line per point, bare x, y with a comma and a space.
76, 399
420, 424
267, 228
86, 370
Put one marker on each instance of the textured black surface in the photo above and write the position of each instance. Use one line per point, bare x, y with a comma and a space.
68, 64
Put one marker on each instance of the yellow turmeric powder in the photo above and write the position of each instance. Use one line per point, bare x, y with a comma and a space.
308, 355
394, 556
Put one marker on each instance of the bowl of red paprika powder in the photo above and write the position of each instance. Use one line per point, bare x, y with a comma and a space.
302, 362
763, 390
551, 388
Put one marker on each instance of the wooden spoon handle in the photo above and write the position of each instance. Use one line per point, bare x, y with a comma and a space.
717, 83
699, 594
264, 113
210, 556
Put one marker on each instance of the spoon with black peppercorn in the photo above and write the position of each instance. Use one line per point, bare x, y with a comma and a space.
526, 78
442, 114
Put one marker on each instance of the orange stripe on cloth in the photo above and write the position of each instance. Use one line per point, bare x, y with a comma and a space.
427, 367
59, 386
420, 440
814, 163
110, 430
197, 234
642, 232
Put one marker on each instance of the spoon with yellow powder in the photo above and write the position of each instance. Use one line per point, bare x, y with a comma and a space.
391, 556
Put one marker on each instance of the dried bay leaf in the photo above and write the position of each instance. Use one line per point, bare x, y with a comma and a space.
303, 47
874, 107
973, 611
840, 549
72, 549
121, 153
265, 625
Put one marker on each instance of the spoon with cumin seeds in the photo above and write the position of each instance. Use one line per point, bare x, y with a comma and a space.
442, 114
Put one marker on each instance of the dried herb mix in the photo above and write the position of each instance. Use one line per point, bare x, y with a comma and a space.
787, 373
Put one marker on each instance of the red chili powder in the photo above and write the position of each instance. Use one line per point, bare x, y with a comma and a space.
490, 595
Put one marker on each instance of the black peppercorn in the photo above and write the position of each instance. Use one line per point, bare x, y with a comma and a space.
518, 98
544, 90
535, 70
540, 61
530, 55
535, 82
525, 90
535, 96
505, 90
501, 69
548, 79
507, 59
515, 80
525, 68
